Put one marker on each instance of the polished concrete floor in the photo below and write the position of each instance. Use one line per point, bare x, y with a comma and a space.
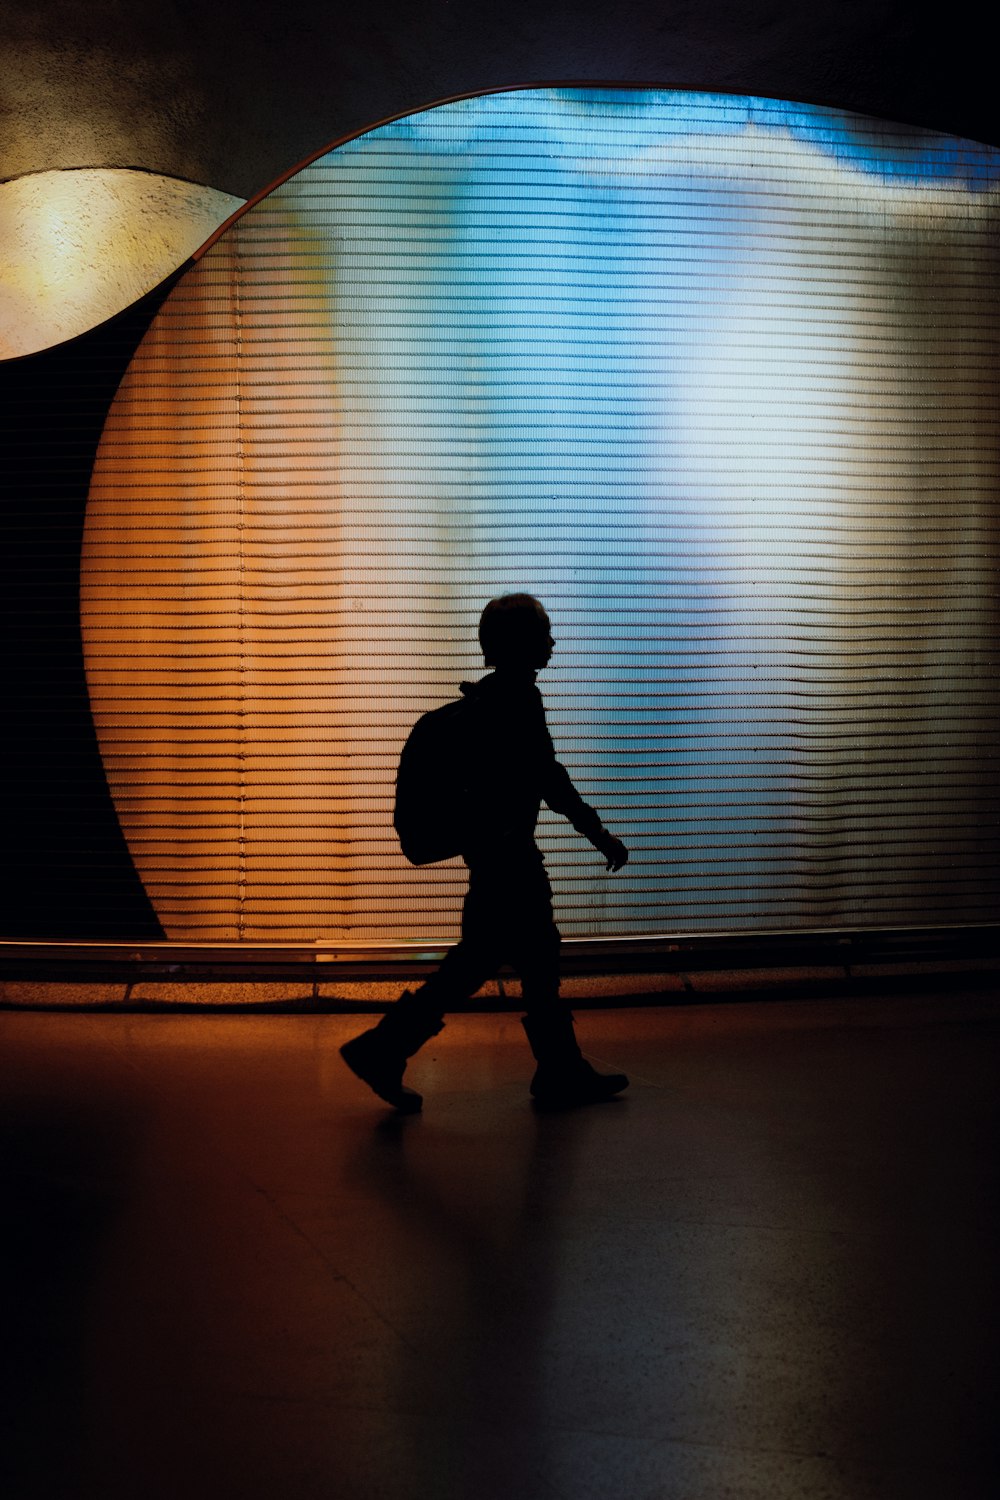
768, 1271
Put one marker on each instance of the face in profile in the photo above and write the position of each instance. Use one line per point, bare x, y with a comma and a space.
515, 632
546, 644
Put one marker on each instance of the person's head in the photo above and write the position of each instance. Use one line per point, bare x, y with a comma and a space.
514, 631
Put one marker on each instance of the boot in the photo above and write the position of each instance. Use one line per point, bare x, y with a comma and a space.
379, 1056
564, 1078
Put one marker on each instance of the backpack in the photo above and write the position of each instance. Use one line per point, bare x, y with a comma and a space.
432, 784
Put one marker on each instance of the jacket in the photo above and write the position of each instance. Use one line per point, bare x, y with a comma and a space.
513, 769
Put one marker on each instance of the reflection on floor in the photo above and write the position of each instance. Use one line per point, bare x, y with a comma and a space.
767, 1272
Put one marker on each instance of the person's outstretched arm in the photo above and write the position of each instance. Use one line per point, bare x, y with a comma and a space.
562, 796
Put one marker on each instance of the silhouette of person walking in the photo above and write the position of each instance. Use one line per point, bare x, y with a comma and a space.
507, 915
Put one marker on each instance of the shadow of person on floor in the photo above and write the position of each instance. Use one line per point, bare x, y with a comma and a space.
461, 1248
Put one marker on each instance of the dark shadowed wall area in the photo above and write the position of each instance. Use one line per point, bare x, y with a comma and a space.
232, 98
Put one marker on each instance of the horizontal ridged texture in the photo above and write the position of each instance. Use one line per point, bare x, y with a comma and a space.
714, 377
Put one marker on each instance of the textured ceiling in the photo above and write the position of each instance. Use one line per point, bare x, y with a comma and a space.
233, 96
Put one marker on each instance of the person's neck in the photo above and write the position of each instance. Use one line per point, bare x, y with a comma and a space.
510, 670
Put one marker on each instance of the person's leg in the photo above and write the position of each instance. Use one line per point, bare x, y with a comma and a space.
379, 1056
563, 1078
463, 969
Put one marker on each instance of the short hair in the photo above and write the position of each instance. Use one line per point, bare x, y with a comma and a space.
511, 629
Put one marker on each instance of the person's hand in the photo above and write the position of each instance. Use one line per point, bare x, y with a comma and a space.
614, 852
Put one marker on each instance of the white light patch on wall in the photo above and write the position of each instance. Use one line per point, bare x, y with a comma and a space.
715, 377
78, 246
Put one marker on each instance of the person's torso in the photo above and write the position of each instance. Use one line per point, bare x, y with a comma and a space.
509, 749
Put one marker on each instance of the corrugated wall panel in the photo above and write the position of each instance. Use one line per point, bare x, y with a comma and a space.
714, 377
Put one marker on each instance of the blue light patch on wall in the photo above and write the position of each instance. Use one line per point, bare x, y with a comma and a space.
713, 376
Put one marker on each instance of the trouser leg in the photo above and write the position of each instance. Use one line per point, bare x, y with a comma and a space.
548, 1022
506, 917
536, 960
535, 944
461, 972
563, 1078
474, 958
379, 1055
